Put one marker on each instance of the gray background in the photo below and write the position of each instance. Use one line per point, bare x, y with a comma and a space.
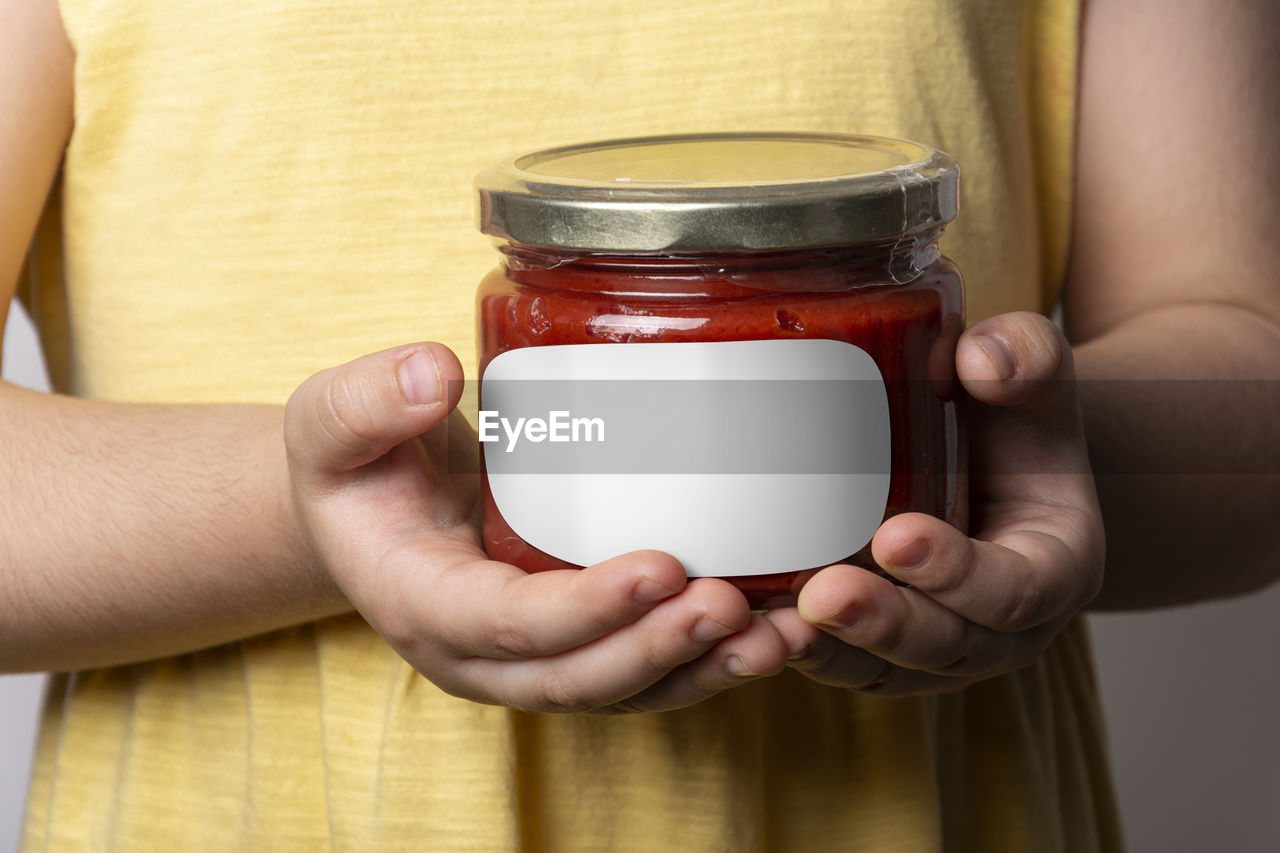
1192, 697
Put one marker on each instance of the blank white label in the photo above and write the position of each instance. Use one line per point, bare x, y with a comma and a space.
738, 458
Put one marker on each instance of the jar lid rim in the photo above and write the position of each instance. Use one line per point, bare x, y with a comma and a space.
718, 191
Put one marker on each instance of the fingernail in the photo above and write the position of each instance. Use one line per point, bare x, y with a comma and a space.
738, 667
709, 629
913, 556
647, 591
845, 618
800, 654
1000, 354
420, 378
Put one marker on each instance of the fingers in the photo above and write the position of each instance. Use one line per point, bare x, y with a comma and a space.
833, 662
348, 416
828, 659
1042, 569
973, 609
1020, 366
619, 666
756, 652
905, 626
385, 521
498, 611
858, 631
570, 640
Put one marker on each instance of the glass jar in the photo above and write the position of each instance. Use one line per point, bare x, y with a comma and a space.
665, 276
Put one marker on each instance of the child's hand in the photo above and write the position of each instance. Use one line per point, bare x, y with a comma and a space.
368, 446
987, 605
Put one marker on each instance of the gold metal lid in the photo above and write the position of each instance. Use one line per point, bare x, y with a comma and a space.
718, 192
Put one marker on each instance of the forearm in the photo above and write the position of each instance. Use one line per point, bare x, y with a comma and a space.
129, 532
1183, 422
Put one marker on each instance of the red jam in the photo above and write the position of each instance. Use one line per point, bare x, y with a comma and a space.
544, 297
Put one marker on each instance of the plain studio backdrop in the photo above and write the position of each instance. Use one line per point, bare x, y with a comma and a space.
1192, 699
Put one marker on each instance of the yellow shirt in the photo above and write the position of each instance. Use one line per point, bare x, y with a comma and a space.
257, 190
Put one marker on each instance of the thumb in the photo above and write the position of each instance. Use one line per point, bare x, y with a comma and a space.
1020, 366
1010, 358
348, 416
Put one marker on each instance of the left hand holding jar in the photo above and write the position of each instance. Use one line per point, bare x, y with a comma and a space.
371, 447
974, 607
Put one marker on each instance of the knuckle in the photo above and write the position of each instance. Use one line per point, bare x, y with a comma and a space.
401, 637
887, 690
820, 659
947, 572
596, 614
882, 683
1037, 323
511, 640
656, 660
384, 597
301, 415
561, 694
1045, 342
630, 705
346, 410
961, 654
1024, 608
888, 635
459, 689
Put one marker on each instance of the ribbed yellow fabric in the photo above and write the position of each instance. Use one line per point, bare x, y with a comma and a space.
257, 190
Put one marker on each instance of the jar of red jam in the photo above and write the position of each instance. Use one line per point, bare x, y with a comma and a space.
737, 348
